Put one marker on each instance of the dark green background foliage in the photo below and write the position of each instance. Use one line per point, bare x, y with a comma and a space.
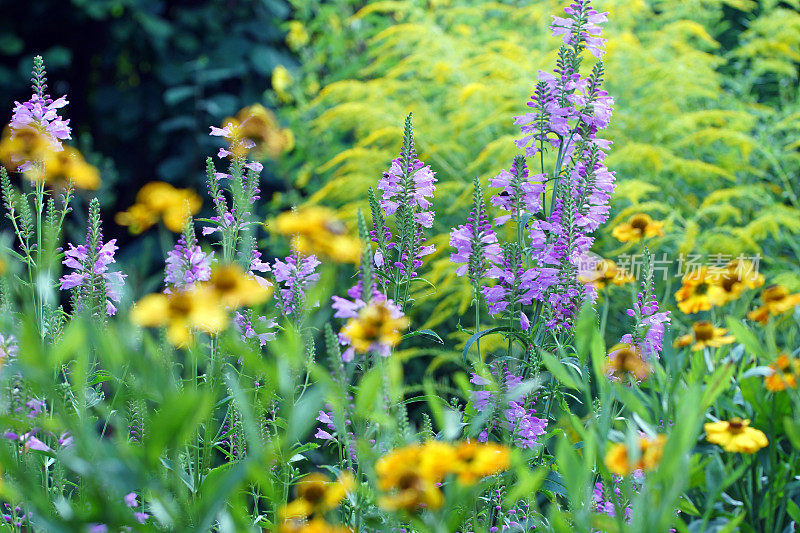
145, 78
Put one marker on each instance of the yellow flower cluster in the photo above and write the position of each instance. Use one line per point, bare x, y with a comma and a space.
202, 307
317, 230
259, 126
621, 461
735, 436
638, 226
785, 372
316, 494
703, 335
377, 327
604, 272
776, 301
410, 474
625, 360
53, 167
705, 287
160, 200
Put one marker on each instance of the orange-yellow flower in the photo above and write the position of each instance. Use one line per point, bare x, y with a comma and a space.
475, 461
731, 281
316, 493
235, 288
317, 230
693, 296
625, 359
621, 461
783, 375
776, 300
181, 312
705, 334
605, 271
160, 200
637, 227
316, 525
259, 126
377, 327
411, 485
735, 436
53, 167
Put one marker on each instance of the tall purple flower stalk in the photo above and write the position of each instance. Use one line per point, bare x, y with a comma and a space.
40, 112
407, 189
187, 263
93, 285
515, 410
294, 275
566, 113
475, 242
651, 324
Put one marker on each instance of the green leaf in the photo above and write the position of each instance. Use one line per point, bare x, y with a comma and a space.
427, 332
745, 336
561, 372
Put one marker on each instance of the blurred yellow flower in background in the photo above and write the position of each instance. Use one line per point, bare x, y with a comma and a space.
638, 227
377, 327
317, 230
235, 288
478, 460
53, 167
735, 436
316, 493
734, 279
281, 81
297, 37
605, 271
626, 360
621, 461
259, 125
776, 301
704, 334
160, 200
181, 313
784, 374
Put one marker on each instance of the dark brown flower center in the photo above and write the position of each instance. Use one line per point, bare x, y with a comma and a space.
703, 330
774, 293
640, 222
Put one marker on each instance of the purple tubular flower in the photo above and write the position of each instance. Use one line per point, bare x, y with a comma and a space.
518, 415
411, 186
40, 113
651, 324
186, 264
475, 242
519, 194
295, 275
77, 258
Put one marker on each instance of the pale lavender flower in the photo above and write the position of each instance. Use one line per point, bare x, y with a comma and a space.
186, 265
518, 415
475, 242
295, 275
651, 324
8, 348
519, 193
77, 258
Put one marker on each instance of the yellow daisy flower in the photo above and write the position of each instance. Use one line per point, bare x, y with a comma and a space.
625, 359
181, 312
637, 227
479, 460
259, 126
412, 486
731, 281
705, 334
317, 525
784, 374
619, 461
777, 300
317, 230
604, 272
693, 296
377, 327
235, 288
735, 436
159, 200
316, 493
